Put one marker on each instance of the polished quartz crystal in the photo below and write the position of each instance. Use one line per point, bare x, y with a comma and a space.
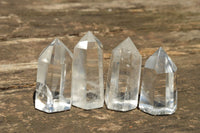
53, 92
158, 91
123, 77
87, 73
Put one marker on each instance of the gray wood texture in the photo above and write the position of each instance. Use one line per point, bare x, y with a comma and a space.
28, 26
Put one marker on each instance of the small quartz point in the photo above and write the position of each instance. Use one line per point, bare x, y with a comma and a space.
87, 73
123, 77
158, 91
53, 92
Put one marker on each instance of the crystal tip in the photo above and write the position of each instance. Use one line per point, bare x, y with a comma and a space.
89, 32
161, 49
128, 38
56, 41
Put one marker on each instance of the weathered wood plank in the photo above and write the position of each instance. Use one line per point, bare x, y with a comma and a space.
26, 27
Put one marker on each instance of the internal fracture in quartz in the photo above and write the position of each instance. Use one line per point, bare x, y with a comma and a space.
53, 92
158, 91
123, 77
87, 73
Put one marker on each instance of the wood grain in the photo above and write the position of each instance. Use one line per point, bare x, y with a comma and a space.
26, 27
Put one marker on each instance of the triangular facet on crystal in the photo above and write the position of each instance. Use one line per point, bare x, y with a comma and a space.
161, 62
88, 38
46, 54
127, 44
53, 90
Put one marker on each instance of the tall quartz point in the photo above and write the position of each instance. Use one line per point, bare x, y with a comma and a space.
87, 73
123, 77
53, 92
158, 92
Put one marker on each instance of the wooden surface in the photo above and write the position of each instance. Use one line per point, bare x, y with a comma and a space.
26, 27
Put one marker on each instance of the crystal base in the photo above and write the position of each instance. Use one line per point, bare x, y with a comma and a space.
122, 106
57, 106
94, 105
157, 111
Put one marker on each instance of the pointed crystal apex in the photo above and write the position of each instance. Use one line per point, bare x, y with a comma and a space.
56, 42
128, 40
161, 62
53, 78
46, 53
128, 45
161, 49
88, 38
159, 52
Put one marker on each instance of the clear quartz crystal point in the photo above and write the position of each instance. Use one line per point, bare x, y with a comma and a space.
53, 92
87, 73
123, 77
158, 91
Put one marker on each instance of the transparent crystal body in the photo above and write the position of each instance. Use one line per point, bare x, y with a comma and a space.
158, 91
53, 91
123, 77
87, 73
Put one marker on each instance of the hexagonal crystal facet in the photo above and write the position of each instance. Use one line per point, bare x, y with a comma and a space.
53, 92
123, 77
87, 73
158, 91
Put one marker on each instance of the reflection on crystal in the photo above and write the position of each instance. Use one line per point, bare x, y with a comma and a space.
158, 91
87, 73
53, 91
123, 77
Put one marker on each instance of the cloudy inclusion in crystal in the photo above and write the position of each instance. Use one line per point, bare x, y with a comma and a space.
158, 91
87, 73
123, 77
53, 91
